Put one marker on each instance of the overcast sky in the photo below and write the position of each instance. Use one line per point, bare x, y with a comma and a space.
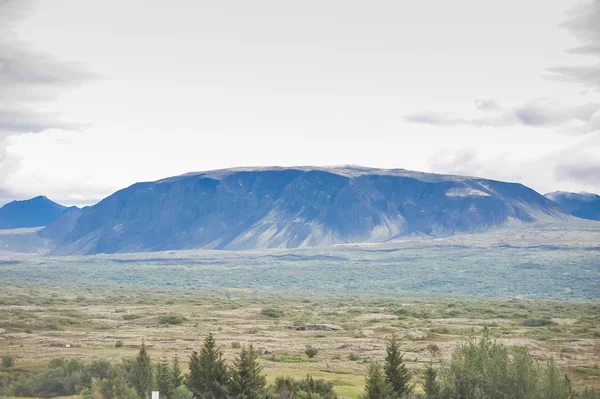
97, 95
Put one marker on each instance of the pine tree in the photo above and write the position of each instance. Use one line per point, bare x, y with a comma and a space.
247, 380
209, 377
176, 377
114, 386
141, 374
376, 385
396, 373
431, 386
164, 379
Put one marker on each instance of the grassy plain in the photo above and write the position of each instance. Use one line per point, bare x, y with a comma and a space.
39, 323
429, 292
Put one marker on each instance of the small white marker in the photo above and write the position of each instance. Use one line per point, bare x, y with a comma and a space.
154, 394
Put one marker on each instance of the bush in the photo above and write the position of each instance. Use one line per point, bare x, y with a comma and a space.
182, 392
119, 344
8, 361
305, 388
538, 322
272, 312
61, 377
310, 351
172, 319
236, 345
486, 369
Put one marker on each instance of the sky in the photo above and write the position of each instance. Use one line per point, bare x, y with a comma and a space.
95, 96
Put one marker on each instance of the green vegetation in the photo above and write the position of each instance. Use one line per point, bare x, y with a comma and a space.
486, 369
310, 351
172, 319
62, 377
164, 379
271, 312
247, 378
8, 361
141, 374
361, 328
308, 388
209, 375
396, 373
376, 385
478, 369
538, 322
562, 272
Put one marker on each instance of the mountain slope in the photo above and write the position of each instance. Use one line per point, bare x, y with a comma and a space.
34, 212
582, 205
293, 207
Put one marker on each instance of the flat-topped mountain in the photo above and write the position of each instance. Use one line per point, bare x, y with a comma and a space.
34, 212
582, 205
293, 207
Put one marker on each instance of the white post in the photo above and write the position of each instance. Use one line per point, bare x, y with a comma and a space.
154, 394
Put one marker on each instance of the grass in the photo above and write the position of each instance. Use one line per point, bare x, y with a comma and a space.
172, 319
237, 318
272, 313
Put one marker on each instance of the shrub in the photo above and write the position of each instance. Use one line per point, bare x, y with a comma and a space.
8, 361
119, 344
305, 388
287, 358
538, 322
182, 392
433, 349
440, 330
172, 319
310, 351
272, 312
486, 369
236, 345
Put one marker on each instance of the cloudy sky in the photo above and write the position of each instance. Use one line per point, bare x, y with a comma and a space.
95, 96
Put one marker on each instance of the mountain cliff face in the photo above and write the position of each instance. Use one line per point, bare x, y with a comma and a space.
34, 212
582, 205
293, 207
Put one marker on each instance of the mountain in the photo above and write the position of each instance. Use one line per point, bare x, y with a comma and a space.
34, 212
275, 207
582, 205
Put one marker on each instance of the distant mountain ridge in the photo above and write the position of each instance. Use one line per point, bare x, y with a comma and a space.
276, 207
35, 212
582, 205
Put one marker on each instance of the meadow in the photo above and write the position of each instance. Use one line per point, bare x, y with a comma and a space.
534, 287
39, 324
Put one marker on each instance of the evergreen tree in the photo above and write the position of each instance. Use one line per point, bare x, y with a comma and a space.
247, 380
176, 377
431, 386
209, 377
164, 379
396, 373
114, 386
141, 374
376, 385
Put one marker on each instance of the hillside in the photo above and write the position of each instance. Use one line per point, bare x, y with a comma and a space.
582, 205
293, 207
34, 212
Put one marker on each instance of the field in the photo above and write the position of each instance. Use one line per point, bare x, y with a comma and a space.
40, 324
533, 286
